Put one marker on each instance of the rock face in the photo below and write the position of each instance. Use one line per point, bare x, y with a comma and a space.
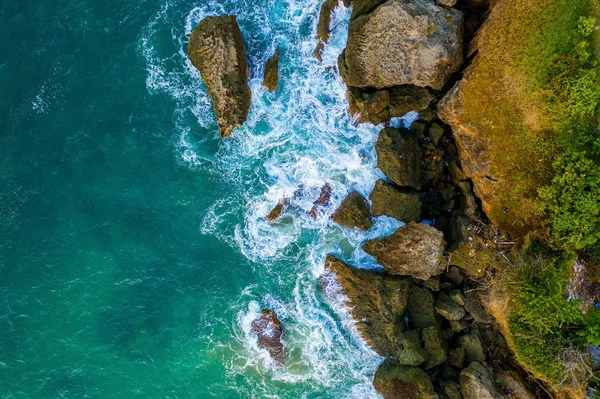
399, 157
399, 204
272, 72
413, 250
394, 381
476, 382
377, 302
268, 329
400, 42
216, 49
354, 212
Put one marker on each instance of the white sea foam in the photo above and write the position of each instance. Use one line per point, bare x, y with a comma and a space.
295, 140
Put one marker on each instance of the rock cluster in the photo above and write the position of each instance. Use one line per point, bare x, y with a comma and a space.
437, 337
216, 49
397, 51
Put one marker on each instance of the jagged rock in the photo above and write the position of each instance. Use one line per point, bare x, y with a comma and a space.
377, 302
435, 133
476, 382
421, 308
401, 42
458, 297
459, 325
354, 212
471, 343
413, 250
448, 308
272, 72
268, 329
475, 308
434, 346
389, 200
513, 384
433, 283
399, 157
450, 389
456, 357
322, 201
216, 49
394, 381
278, 209
410, 349
323, 30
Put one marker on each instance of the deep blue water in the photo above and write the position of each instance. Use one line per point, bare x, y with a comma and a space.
134, 252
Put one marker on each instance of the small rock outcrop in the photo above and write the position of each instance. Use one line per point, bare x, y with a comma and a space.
272, 72
394, 381
413, 250
399, 157
278, 209
323, 30
403, 43
390, 200
354, 212
321, 202
377, 302
216, 49
268, 330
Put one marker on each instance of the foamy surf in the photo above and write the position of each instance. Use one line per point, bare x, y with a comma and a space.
296, 140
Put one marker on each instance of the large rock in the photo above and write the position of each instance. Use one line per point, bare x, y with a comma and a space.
268, 330
394, 381
377, 302
390, 200
399, 156
410, 350
216, 49
323, 30
403, 42
477, 382
354, 212
413, 250
435, 346
448, 308
421, 308
272, 72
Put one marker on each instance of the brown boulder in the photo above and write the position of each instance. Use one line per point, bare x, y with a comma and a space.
268, 329
389, 200
322, 201
272, 72
399, 157
401, 42
278, 209
413, 250
376, 300
354, 212
394, 381
216, 49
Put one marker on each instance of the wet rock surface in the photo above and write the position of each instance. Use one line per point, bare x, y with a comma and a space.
269, 332
354, 212
216, 49
271, 78
413, 250
321, 202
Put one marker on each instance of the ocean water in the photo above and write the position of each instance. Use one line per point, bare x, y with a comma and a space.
134, 250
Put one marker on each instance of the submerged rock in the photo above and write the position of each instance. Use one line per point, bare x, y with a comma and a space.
377, 302
389, 200
322, 201
394, 381
268, 329
399, 157
413, 250
272, 72
354, 212
216, 49
400, 42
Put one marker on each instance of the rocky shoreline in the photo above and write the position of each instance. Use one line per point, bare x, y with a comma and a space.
423, 312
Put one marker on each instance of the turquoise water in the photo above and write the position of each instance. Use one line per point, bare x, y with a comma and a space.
134, 252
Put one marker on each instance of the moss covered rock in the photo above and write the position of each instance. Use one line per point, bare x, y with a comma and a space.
354, 212
216, 49
376, 301
390, 200
421, 308
477, 382
451, 310
413, 250
394, 381
435, 347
